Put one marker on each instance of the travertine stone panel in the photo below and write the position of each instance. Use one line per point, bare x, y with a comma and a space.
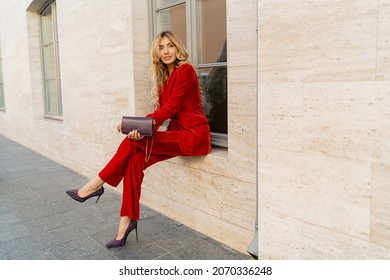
325, 141
225, 232
218, 206
350, 120
38, 106
240, 31
242, 91
317, 40
48, 130
238, 202
216, 162
175, 210
140, 46
383, 67
284, 237
329, 192
323, 243
96, 69
16, 75
241, 51
380, 205
242, 152
279, 235
242, 131
280, 115
232, 164
196, 188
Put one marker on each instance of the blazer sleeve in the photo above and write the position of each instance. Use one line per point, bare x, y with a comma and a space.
178, 95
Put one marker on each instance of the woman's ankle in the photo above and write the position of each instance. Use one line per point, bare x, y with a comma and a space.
125, 220
123, 225
93, 185
96, 182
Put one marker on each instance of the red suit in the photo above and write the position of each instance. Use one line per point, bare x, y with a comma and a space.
188, 134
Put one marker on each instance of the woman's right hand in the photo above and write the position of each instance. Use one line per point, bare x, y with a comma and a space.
135, 135
119, 127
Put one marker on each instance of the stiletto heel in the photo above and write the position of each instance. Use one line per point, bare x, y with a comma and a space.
98, 198
121, 242
73, 194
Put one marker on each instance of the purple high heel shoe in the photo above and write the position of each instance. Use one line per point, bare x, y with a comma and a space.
73, 194
118, 243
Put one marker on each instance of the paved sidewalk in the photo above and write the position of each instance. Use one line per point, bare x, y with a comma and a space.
38, 221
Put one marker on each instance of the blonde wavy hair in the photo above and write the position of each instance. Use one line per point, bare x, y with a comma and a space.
159, 70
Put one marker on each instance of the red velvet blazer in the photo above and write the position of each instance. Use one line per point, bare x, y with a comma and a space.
180, 101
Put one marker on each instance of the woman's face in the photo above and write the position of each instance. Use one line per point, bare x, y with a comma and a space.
167, 51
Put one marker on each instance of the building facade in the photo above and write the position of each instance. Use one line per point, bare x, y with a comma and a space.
324, 129
72, 69
297, 95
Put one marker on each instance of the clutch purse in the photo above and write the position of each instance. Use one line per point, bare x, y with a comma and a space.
144, 126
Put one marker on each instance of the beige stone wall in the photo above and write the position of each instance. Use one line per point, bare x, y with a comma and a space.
324, 126
104, 59
323, 84
97, 80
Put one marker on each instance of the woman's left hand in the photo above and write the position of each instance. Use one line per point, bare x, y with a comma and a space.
135, 135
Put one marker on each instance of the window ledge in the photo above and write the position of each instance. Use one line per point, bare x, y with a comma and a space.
218, 152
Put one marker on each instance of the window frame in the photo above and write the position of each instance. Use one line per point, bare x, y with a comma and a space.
193, 46
58, 116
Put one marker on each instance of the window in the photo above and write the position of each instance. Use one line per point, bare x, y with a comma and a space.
51, 67
201, 24
2, 102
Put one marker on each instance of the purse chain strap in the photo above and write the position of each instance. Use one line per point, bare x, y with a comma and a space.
147, 156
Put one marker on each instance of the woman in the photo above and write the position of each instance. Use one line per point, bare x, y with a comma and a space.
176, 96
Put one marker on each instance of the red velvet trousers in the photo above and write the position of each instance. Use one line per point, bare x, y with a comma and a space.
129, 164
